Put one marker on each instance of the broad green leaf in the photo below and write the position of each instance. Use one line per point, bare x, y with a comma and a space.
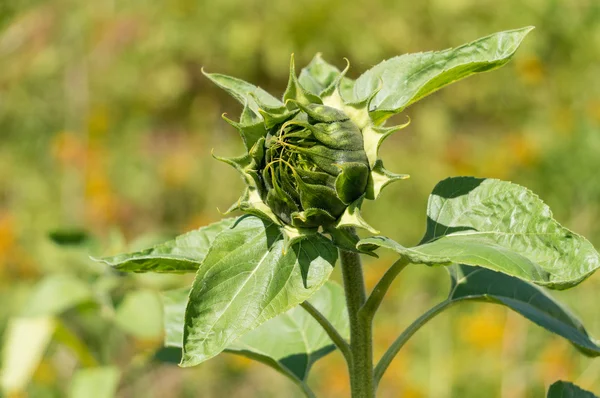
182, 254
25, 342
290, 342
246, 279
249, 95
480, 284
317, 76
406, 79
55, 294
500, 226
140, 314
564, 389
95, 383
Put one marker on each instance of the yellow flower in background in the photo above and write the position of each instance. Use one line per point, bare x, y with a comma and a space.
523, 150
555, 361
412, 392
483, 329
68, 149
239, 363
101, 203
7, 235
530, 70
334, 381
176, 168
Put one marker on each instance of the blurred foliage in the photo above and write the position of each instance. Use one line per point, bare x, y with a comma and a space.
106, 124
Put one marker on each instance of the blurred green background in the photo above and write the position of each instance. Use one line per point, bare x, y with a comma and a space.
107, 126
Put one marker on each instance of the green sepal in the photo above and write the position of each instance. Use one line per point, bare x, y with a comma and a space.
319, 197
281, 203
250, 133
276, 117
273, 115
241, 164
312, 218
352, 218
373, 137
250, 114
352, 181
235, 206
346, 239
335, 85
251, 203
359, 111
379, 179
296, 92
321, 113
293, 235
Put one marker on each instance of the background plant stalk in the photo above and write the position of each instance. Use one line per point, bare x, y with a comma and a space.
361, 337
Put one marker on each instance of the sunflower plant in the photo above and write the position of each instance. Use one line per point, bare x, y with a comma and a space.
262, 286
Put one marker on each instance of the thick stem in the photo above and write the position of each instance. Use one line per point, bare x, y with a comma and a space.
361, 338
397, 345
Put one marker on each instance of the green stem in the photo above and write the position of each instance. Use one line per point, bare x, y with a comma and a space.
361, 339
331, 331
378, 293
397, 345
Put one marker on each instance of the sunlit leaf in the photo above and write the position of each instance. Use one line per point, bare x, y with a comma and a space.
407, 78
500, 226
247, 279
182, 254
290, 342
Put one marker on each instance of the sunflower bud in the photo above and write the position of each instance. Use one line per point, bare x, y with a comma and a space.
311, 159
314, 166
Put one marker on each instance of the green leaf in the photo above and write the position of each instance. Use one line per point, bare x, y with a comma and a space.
480, 284
317, 76
564, 389
95, 383
70, 237
290, 342
140, 314
182, 254
406, 79
247, 279
55, 294
500, 226
25, 342
245, 93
